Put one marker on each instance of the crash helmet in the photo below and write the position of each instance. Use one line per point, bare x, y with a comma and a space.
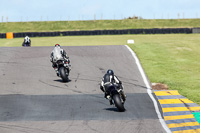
110, 72
57, 45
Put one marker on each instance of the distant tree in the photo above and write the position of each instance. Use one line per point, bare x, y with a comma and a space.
134, 17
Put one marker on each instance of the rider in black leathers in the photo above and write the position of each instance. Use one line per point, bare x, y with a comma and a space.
110, 78
27, 41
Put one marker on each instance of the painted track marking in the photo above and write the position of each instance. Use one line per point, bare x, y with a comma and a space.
149, 90
179, 118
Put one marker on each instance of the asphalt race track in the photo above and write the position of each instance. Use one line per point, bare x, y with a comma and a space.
34, 100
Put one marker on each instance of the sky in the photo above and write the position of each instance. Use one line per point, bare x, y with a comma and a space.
70, 10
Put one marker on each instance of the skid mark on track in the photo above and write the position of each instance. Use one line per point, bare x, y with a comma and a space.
24, 128
92, 79
77, 77
76, 91
8, 62
70, 125
67, 88
90, 128
101, 69
51, 84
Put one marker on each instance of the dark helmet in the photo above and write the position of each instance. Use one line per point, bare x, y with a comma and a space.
57, 45
110, 72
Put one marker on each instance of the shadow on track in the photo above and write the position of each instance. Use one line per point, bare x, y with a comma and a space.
114, 109
61, 81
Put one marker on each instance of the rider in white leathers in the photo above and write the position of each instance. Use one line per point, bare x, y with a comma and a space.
58, 54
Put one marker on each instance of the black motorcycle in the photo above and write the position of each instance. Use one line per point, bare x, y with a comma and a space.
63, 69
117, 96
26, 44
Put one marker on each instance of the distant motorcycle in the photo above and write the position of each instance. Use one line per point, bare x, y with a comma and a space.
26, 44
117, 96
63, 69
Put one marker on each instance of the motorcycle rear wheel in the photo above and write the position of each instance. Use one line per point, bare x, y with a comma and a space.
63, 74
118, 103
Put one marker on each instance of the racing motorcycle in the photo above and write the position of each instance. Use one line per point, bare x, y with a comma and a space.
26, 44
117, 95
63, 69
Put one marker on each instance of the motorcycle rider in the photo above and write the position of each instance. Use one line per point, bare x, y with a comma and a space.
108, 79
27, 41
58, 54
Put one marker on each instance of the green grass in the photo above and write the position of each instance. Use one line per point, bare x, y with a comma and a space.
172, 59
67, 41
97, 25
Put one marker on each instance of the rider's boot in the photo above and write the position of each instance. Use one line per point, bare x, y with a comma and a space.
107, 96
110, 99
57, 73
123, 96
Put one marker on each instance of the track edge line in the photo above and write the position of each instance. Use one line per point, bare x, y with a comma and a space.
149, 89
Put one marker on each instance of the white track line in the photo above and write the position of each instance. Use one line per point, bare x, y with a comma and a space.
149, 90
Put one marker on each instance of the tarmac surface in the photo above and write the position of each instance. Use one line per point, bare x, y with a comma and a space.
33, 99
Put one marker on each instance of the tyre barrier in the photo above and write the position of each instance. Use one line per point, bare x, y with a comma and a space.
2, 35
102, 32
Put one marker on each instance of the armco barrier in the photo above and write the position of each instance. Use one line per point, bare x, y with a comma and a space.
104, 32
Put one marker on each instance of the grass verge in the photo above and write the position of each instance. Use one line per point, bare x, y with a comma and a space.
172, 59
48, 26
